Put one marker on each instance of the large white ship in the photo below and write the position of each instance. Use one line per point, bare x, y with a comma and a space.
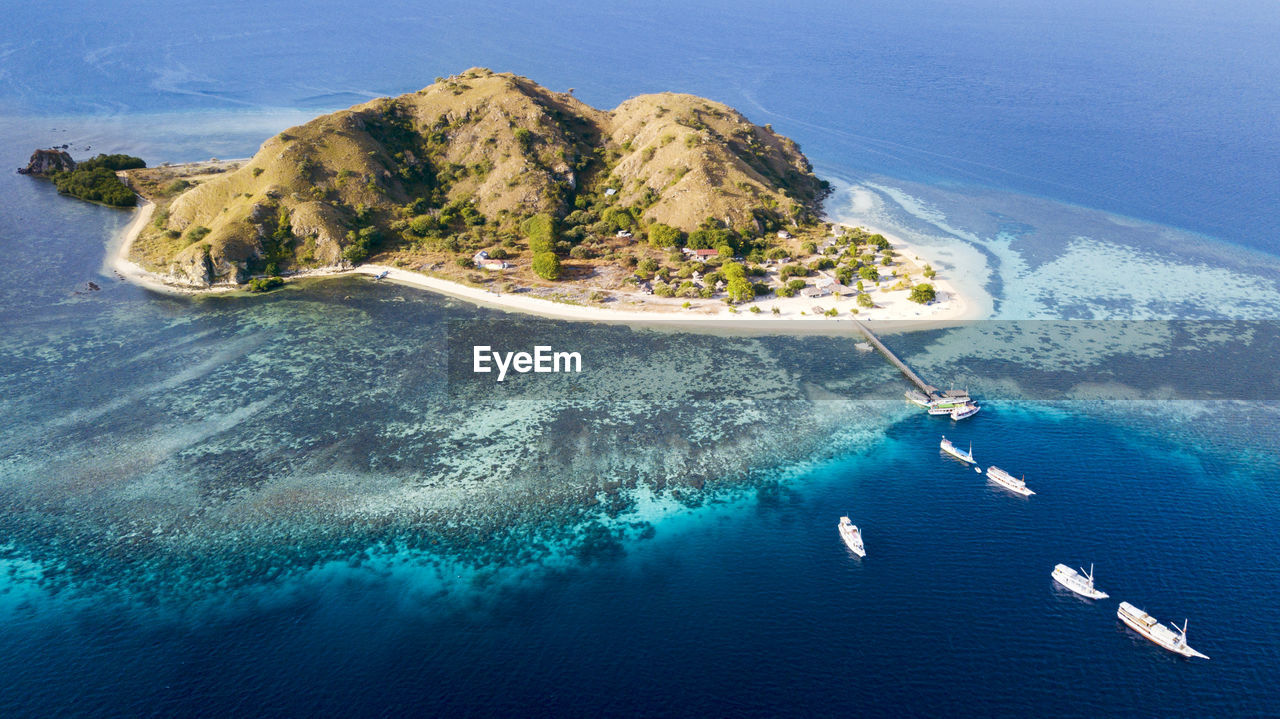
1079, 582
956, 452
852, 536
1008, 481
1171, 638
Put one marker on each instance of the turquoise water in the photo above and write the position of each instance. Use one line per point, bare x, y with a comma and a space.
277, 505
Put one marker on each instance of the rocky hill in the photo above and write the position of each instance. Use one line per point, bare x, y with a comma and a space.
482, 160
48, 162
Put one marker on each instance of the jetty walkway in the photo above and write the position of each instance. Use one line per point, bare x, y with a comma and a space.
929, 390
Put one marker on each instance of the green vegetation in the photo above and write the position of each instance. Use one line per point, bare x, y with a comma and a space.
95, 180
278, 247
661, 235
547, 266
864, 300
113, 162
265, 284
929, 272
98, 184
740, 290
360, 244
923, 293
540, 230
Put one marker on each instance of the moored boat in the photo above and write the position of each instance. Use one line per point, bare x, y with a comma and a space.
1079, 582
956, 452
852, 537
1008, 481
1172, 638
965, 412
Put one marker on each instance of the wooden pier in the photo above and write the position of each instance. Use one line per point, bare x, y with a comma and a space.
929, 390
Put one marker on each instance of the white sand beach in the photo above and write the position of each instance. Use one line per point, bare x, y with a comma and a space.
805, 313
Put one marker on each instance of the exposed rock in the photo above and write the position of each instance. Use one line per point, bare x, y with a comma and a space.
193, 266
317, 220
46, 162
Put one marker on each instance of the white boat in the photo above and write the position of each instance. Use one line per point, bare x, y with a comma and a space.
1079, 582
1008, 481
965, 412
940, 410
1171, 638
959, 454
852, 537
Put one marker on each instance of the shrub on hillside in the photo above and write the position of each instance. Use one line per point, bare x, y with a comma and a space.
546, 265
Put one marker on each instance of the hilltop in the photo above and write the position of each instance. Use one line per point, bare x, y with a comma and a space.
491, 162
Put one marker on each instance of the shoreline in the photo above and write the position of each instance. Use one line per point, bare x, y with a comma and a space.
795, 315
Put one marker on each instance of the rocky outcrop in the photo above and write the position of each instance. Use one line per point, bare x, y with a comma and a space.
46, 162
197, 266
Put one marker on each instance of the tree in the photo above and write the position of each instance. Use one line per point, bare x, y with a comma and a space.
869, 273
540, 230
661, 235
929, 272
864, 300
733, 271
725, 252
708, 238
618, 218
739, 290
360, 244
923, 293
546, 265
808, 248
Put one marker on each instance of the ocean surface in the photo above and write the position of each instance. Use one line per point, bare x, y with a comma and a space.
285, 505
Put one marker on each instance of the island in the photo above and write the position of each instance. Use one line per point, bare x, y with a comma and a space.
488, 186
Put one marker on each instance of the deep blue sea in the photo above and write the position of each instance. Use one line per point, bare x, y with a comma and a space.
278, 506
